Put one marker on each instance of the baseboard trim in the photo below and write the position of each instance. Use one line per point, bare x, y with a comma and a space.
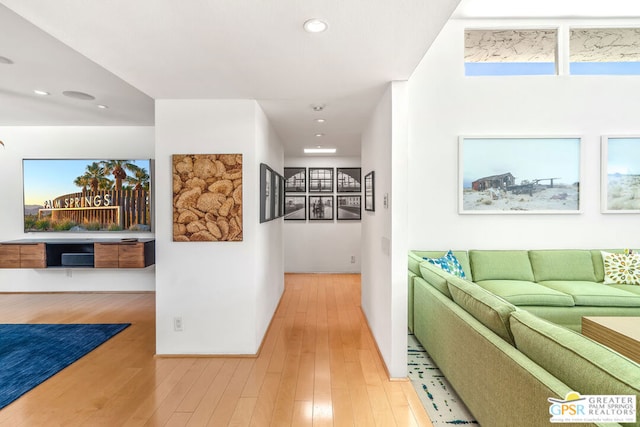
375, 343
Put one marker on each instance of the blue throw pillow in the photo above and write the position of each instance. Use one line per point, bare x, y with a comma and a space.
448, 263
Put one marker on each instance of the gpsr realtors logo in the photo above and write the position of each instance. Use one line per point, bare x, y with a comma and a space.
593, 408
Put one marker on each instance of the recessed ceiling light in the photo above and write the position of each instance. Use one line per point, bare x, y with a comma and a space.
102, 106
40, 92
315, 25
320, 120
5, 60
319, 150
78, 95
319, 135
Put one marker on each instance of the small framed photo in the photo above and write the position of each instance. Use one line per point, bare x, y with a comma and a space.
348, 180
296, 180
295, 208
277, 185
321, 208
266, 193
282, 185
349, 207
321, 180
369, 192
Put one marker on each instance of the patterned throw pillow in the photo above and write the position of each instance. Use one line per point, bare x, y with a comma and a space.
621, 269
448, 263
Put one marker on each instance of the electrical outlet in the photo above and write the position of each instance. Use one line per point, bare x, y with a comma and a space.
177, 324
353, 259
69, 273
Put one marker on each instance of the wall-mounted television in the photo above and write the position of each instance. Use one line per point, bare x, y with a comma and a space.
87, 195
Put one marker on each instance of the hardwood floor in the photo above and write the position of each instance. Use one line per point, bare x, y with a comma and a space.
318, 367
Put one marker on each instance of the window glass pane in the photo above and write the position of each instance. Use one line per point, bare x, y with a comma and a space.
510, 52
604, 51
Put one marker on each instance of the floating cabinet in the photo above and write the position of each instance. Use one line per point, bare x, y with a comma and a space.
125, 253
24, 255
33, 256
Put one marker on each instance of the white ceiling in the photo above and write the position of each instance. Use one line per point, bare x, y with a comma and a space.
235, 49
128, 53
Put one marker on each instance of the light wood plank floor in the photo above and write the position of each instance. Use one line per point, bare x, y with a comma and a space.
318, 367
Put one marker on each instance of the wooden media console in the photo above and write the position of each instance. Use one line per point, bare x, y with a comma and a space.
73, 253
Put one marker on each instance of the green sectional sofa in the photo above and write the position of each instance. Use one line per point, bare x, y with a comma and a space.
506, 336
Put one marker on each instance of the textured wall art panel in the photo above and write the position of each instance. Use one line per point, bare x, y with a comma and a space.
207, 197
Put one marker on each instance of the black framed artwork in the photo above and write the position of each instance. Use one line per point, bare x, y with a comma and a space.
271, 194
321, 208
348, 207
296, 180
276, 182
348, 180
266, 196
320, 180
283, 182
295, 208
369, 192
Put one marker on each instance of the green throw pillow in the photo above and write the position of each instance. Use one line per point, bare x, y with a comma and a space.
448, 263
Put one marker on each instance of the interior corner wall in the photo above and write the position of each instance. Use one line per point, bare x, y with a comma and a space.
225, 292
384, 231
322, 246
66, 142
444, 104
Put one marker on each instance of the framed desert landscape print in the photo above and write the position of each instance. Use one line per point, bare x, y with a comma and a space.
620, 173
519, 175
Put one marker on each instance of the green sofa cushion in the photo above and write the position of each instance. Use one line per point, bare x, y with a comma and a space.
500, 265
594, 294
417, 257
488, 309
436, 277
634, 289
571, 264
521, 293
414, 262
584, 365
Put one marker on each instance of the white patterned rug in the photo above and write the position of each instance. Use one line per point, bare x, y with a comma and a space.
438, 397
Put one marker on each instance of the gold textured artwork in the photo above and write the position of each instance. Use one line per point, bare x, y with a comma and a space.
207, 197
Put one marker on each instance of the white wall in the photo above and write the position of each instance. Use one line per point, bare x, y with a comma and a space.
322, 246
66, 142
225, 292
384, 231
444, 105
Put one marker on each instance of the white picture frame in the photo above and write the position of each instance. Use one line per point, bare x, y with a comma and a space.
519, 174
620, 175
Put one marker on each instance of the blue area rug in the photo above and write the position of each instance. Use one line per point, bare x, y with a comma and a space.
32, 353
443, 405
